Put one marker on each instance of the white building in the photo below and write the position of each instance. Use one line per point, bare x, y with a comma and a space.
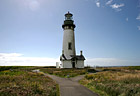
69, 59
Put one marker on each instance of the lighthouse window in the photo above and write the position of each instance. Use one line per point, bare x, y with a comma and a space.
69, 46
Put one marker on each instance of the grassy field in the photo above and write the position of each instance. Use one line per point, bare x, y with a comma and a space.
21, 81
65, 73
117, 81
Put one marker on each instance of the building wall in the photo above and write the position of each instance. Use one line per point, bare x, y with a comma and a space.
80, 64
68, 37
57, 64
68, 64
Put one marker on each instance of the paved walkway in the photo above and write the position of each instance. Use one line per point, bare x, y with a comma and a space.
71, 87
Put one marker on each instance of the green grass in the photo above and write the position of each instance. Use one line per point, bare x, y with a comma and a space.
121, 81
21, 81
2, 68
57, 90
134, 68
65, 73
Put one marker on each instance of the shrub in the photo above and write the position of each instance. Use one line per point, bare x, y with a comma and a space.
64, 72
89, 76
121, 82
25, 83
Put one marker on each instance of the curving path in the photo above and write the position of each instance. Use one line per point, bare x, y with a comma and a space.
71, 87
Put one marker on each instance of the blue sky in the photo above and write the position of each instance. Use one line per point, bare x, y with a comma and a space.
108, 31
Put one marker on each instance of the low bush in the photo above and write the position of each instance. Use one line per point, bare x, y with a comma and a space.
22, 82
134, 68
64, 72
115, 83
91, 70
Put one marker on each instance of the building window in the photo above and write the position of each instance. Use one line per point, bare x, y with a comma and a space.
69, 46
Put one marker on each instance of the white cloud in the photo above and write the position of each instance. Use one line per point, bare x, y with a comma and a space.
10, 55
127, 19
97, 3
109, 2
138, 18
111, 62
117, 6
9, 59
34, 5
138, 27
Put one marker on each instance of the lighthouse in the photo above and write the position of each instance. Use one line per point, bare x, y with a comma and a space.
68, 58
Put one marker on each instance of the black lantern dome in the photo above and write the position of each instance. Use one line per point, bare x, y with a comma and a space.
68, 22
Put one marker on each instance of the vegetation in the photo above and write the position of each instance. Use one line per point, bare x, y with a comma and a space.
21, 81
67, 73
134, 68
2, 68
111, 81
120, 81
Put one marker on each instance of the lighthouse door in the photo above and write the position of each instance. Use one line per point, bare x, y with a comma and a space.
73, 64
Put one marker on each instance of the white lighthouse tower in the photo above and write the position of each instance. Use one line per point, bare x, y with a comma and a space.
69, 59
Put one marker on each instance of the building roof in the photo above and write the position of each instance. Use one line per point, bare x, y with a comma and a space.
68, 14
72, 57
78, 57
62, 57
